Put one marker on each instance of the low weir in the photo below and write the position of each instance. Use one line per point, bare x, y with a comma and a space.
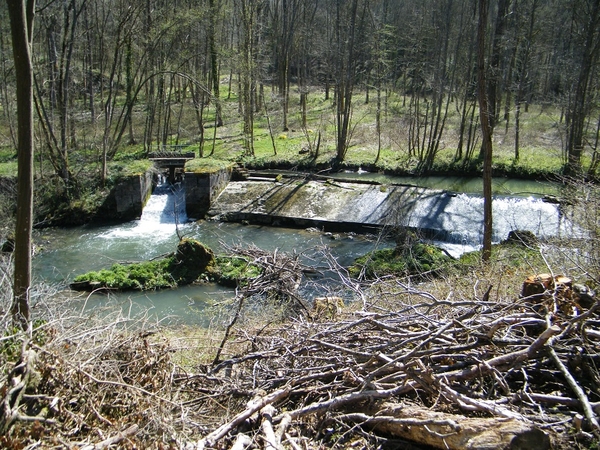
338, 205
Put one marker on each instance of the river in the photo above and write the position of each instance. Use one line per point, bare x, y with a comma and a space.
67, 252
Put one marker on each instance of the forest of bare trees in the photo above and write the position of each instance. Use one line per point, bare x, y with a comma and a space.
108, 73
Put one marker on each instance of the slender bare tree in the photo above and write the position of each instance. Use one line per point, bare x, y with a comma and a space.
21, 23
486, 130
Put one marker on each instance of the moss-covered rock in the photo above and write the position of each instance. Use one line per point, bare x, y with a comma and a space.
191, 260
414, 259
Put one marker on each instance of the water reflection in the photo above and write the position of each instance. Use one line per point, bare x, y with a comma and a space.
70, 252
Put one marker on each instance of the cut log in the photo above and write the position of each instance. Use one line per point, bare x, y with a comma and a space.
453, 431
538, 287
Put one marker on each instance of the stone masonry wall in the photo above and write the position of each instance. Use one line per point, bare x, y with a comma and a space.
131, 195
201, 189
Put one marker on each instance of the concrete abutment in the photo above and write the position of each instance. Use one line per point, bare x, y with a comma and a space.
201, 189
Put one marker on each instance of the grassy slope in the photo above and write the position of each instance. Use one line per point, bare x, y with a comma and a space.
540, 150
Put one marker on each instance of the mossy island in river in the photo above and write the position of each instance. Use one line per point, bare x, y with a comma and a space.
192, 262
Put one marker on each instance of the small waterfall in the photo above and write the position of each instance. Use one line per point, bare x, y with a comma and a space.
166, 205
164, 211
456, 224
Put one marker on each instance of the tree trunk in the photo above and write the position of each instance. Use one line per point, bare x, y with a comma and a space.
486, 130
21, 22
214, 63
577, 111
346, 76
442, 430
495, 76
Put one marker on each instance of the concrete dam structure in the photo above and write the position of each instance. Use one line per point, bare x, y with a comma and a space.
336, 205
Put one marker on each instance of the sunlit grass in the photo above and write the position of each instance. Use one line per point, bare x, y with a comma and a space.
206, 165
131, 167
540, 153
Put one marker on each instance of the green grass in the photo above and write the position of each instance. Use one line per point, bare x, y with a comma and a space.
206, 165
8, 169
136, 167
540, 139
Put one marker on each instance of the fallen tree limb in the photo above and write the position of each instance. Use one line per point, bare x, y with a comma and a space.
480, 405
509, 359
342, 400
271, 442
117, 439
253, 407
241, 442
451, 431
583, 399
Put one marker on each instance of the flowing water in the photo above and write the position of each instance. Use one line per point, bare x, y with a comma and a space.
67, 252
467, 185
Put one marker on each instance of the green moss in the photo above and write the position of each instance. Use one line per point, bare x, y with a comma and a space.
140, 276
235, 271
510, 254
191, 262
415, 259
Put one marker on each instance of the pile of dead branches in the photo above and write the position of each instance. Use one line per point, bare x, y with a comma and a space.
83, 381
414, 369
469, 374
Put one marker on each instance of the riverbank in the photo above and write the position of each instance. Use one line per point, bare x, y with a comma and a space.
419, 346
410, 168
254, 347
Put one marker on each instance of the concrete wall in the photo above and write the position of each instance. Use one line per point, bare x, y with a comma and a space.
131, 195
201, 189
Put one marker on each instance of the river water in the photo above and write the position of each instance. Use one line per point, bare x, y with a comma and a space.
67, 252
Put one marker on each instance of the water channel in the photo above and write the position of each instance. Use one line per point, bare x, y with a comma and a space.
67, 252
